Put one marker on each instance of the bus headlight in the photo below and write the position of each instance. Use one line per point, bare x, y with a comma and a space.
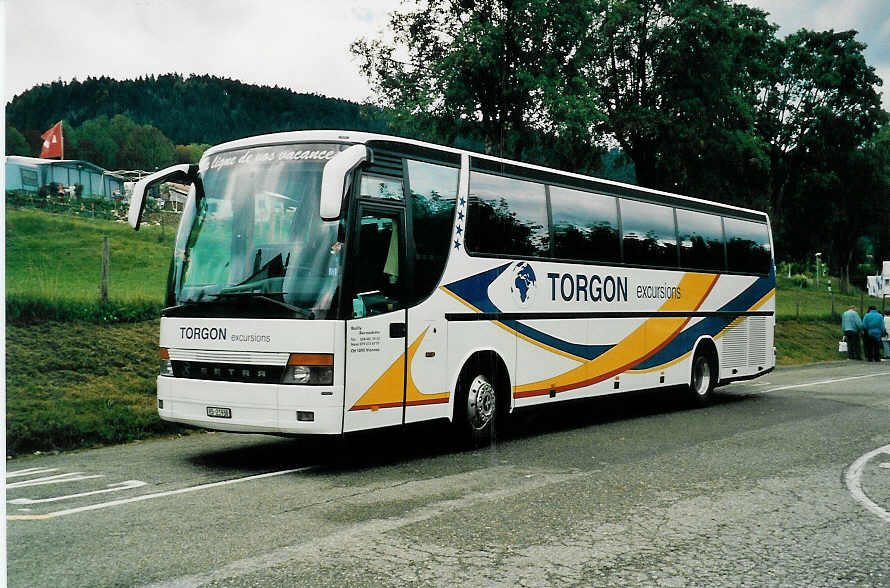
313, 369
165, 368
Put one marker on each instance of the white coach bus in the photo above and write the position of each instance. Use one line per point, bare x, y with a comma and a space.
325, 282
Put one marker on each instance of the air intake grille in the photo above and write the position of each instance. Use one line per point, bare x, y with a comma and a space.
228, 372
757, 341
386, 163
735, 346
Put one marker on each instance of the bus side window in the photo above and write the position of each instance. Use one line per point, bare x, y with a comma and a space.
507, 216
701, 240
747, 246
585, 225
649, 234
433, 190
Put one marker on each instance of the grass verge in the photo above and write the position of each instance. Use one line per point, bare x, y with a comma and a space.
807, 341
54, 266
73, 385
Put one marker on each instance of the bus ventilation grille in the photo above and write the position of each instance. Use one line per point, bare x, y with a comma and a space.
757, 341
745, 344
735, 346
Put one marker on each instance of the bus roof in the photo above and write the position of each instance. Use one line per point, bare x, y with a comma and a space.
595, 183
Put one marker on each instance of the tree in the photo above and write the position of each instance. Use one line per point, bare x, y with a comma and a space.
95, 143
817, 110
676, 80
190, 153
880, 144
120, 127
147, 148
504, 73
15, 142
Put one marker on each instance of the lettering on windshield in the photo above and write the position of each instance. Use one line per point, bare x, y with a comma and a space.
269, 156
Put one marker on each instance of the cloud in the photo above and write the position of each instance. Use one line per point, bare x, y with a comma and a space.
300, 45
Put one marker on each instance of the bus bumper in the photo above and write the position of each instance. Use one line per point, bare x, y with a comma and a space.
252, 408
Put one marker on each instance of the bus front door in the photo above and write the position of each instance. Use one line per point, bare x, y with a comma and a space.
375, 336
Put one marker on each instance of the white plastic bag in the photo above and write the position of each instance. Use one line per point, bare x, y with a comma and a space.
842, 347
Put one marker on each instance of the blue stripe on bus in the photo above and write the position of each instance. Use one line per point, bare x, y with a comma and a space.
474, 290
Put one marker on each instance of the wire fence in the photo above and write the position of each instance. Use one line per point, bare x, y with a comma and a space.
99, 208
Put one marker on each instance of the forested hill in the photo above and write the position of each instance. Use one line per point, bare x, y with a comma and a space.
194, 109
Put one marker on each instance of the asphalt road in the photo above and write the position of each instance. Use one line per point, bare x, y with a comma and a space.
783, 481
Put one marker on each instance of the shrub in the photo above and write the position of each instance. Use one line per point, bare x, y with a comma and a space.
801, 281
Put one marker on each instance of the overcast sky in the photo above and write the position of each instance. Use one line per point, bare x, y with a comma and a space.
298, 44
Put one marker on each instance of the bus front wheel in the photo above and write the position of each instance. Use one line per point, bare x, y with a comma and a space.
476, 409
703, 378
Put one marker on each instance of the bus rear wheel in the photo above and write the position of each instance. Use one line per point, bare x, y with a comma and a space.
702, 379
476, 409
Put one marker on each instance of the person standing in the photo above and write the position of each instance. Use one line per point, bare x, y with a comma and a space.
851, 324
886, 338
873, 330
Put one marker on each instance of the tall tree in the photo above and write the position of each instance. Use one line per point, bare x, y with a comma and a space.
501, 72
816, 111
677, 85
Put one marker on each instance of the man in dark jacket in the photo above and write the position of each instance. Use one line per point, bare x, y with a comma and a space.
873, 329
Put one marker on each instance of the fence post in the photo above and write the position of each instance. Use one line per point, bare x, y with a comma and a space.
832, 297
104, 287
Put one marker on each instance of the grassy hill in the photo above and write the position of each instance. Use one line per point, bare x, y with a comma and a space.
87, 377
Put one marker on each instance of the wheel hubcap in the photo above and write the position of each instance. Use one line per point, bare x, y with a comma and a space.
480, 402
701, 380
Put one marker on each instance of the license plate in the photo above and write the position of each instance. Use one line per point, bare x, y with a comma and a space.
220, 413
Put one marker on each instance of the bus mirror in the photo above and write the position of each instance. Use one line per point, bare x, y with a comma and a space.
333, 179
184, 173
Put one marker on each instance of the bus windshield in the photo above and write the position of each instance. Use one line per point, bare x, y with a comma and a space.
251, 231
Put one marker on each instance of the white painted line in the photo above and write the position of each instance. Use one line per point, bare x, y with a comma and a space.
129, 484
854, 483
61, 513
57, 479
834, 381
30, 472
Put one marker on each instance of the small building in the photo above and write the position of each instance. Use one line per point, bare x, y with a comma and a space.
30, 173
879, 285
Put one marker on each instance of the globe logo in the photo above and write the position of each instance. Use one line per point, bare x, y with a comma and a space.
524, 285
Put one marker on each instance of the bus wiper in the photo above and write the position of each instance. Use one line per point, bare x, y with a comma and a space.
267, 297
187, 303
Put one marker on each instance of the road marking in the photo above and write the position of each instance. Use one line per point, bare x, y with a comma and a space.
70, 511
834, 381
129, 484
854, 483
30, 472
57, 479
